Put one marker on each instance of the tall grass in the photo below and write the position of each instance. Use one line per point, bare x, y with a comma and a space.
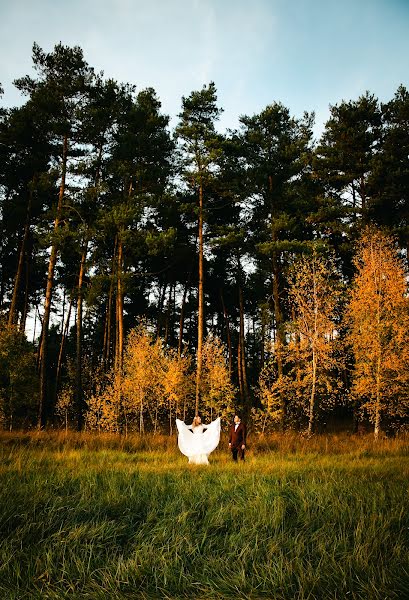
86, 516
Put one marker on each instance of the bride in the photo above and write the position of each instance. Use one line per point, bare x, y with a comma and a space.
197, 441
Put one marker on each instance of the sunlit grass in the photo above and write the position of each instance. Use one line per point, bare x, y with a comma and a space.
106, 517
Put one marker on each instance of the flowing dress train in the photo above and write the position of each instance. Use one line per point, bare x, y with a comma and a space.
198, 442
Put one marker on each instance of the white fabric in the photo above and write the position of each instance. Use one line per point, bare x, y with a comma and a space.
197, 444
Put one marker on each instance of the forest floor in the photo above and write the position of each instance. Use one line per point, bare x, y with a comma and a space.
88, 516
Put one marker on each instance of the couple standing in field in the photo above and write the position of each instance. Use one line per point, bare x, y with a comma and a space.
197, 441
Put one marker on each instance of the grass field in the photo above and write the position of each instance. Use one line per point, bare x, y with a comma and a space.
86, 516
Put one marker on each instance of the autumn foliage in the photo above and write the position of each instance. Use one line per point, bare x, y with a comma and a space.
310, 380
378, 317
157, 386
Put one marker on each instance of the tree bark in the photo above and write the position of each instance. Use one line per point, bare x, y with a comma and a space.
239, 373
377, 427
120, 332
243, 349
168, 314
279, 332
228, 335
162, 294
12, 319
24, 313
79, 396
106, 353
311, 420
44, 407
182, 319
61, 351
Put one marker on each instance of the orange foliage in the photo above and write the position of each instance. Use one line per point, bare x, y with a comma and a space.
379, 329
309, 380
217, 391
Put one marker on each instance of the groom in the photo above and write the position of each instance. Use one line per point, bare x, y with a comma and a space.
237, 438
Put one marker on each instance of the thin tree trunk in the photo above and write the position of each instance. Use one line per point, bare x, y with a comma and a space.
44, 408
279, 333
311, 420
239, 372
162, 293
107, 328
243, 349
200, 324
141, 425
35, 324
377, 427
263, 343
61, 351
377, 424
182, 311
120, 307
228, 335
168, 313
120, 330
12, 319
79, 396
108, 319
182, 319
24, 313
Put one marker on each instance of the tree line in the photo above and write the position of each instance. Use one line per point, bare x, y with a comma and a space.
260, 239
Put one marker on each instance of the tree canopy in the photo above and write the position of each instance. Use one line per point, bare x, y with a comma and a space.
215, 240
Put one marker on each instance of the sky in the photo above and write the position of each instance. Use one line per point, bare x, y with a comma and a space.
307, 54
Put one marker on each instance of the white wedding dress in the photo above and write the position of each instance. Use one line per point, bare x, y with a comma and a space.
197, 444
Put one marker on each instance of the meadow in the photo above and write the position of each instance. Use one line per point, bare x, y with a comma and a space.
88, 516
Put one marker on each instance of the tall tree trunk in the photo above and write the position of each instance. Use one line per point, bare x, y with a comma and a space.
161, 303
108, 319
24, 313
61, 351
311, 420
239, 372
182, 310
377, 424
44, 405
279, 332
12, 319
79, 396
168, 314
107, 327
120, 331
228, 335
242, 344
265, 320
200, 324
120, 308
182, 319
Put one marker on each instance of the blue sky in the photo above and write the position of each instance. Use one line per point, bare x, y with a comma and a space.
305, 53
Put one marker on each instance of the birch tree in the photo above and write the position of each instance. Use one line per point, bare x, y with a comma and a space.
308, 379
378, 316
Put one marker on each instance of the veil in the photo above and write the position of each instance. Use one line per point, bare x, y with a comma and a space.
191, 444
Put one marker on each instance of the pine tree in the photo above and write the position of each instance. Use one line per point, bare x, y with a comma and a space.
276, 150
389, 180
61, 87
200, 146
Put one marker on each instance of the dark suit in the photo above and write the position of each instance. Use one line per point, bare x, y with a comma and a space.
237, 439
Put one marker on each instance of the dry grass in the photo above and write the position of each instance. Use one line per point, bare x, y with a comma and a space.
87, 516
